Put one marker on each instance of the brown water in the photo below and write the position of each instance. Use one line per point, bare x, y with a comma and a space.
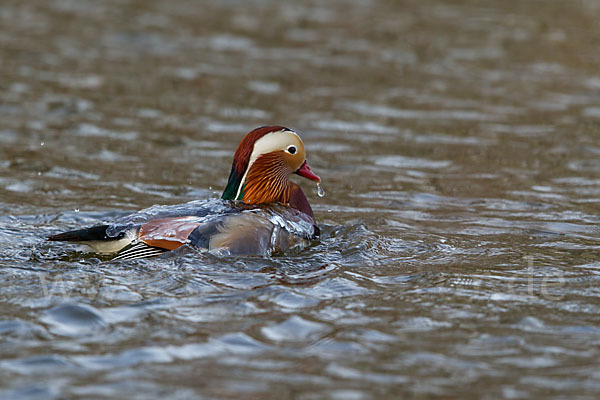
459, 145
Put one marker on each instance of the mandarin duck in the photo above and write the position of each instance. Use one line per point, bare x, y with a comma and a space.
260, 211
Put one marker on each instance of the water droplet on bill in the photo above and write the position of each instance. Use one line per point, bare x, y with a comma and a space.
320, 190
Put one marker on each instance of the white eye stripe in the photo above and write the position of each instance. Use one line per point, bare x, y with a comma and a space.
270, 142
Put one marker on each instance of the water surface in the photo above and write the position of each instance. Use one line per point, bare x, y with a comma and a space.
458, 144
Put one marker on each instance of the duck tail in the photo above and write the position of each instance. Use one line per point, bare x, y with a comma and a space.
97, 238
95, 233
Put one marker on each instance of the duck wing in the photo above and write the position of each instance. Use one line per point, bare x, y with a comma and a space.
259, 231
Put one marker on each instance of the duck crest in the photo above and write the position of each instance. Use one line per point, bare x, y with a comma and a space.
241, 161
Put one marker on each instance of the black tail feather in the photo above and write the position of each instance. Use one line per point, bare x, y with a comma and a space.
85, 235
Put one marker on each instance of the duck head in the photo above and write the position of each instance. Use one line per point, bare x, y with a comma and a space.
263, 164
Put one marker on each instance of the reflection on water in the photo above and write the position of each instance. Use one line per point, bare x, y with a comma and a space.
457, 141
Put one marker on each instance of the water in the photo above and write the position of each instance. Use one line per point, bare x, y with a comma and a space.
459, 145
